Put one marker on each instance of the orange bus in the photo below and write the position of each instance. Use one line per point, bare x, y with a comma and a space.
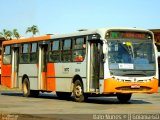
156, 33
100, 62
1, 39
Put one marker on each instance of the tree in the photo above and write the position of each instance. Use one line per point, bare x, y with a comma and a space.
6, 34
33, 29
16, 34
3, 33
9, 35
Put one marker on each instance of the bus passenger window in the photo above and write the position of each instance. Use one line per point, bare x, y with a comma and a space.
7, 55
54, 53
34, 53
79, 48
24, 53
66, 50
78, 55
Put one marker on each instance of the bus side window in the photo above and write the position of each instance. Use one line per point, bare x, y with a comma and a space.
34, 53
79, 49
54, 53
24, 53
7, 55
67, 50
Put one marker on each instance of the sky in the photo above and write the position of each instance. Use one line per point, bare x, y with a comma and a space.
64, 16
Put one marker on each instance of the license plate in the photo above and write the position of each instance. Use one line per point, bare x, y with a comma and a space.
135, 86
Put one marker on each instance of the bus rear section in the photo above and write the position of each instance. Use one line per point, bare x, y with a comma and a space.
1, 40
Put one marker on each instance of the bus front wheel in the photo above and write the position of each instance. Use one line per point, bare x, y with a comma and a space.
123, 97
78, 94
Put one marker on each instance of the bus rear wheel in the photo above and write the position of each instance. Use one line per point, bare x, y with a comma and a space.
124, 97
78, 94
26, 89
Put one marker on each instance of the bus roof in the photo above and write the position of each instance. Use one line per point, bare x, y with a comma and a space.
155, 30
101, 31
24, 40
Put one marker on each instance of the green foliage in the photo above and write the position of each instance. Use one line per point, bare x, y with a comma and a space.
8, 35
16, 34
33, 29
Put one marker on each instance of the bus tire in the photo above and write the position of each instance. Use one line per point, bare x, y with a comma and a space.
78, 94
26, 87
124, 97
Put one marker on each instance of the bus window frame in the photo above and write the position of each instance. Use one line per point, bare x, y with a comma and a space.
7, 55
70, 51
79, 56
33, 53
66, 52
51, 52
22, 54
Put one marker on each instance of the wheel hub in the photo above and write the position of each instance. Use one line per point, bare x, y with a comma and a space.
25, 90
78, 91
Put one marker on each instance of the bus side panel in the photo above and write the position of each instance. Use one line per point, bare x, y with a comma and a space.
65, 72
6, 75
51, 80
31, 71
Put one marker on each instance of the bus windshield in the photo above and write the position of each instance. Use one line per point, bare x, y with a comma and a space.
130, 57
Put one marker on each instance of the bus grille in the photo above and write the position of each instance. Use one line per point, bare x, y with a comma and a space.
128, 88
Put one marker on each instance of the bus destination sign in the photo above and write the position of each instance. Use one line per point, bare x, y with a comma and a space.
122, 34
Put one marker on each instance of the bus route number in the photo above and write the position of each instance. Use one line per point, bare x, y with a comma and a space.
66, 70
77, 70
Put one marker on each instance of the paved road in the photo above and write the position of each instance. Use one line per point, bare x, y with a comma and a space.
47, 104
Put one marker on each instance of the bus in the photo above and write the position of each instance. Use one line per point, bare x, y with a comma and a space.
102, 62
1, 40
156, 33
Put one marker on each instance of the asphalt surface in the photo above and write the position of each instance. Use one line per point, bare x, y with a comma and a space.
48, 106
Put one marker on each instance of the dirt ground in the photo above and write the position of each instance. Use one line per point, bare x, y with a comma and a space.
47, 106
9, 116
14, 116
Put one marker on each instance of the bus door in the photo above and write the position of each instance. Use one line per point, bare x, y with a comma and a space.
42, 76
14, 74
94, 65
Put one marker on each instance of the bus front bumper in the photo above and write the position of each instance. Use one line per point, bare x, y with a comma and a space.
114, 86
